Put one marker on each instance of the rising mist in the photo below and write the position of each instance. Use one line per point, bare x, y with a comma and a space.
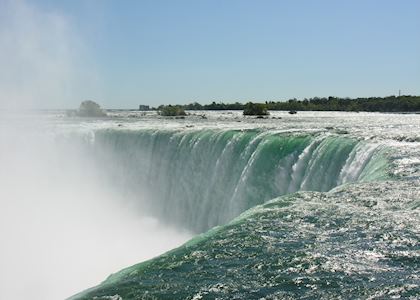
61, 229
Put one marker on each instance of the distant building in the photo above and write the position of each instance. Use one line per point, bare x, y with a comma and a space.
144, 107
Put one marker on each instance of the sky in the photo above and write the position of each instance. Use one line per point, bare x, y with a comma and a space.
55, 54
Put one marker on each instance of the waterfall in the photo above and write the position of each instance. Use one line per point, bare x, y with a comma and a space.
198, 179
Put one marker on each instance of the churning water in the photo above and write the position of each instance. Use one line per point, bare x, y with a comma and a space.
317, 205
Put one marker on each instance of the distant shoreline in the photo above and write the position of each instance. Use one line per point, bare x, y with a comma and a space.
391, 104
406, 103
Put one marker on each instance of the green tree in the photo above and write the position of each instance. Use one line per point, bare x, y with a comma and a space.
255, 109
171, 110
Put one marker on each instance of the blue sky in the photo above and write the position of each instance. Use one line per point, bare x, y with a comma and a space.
156, 52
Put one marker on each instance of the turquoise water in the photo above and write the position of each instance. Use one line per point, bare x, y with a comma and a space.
283, 216
198, 179
307, 245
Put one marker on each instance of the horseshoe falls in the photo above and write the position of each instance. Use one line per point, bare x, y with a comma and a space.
323, 205
202, 178
317, 205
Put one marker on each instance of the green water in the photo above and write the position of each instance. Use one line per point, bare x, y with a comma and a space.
307, 245
200, 179
342, 229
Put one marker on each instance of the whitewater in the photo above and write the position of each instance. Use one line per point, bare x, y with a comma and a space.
215, 205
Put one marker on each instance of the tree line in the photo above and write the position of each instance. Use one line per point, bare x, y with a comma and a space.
406, 103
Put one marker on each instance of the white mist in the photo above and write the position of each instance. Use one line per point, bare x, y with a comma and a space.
61, 229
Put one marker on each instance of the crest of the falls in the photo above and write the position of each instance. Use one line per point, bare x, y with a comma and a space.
202, 178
